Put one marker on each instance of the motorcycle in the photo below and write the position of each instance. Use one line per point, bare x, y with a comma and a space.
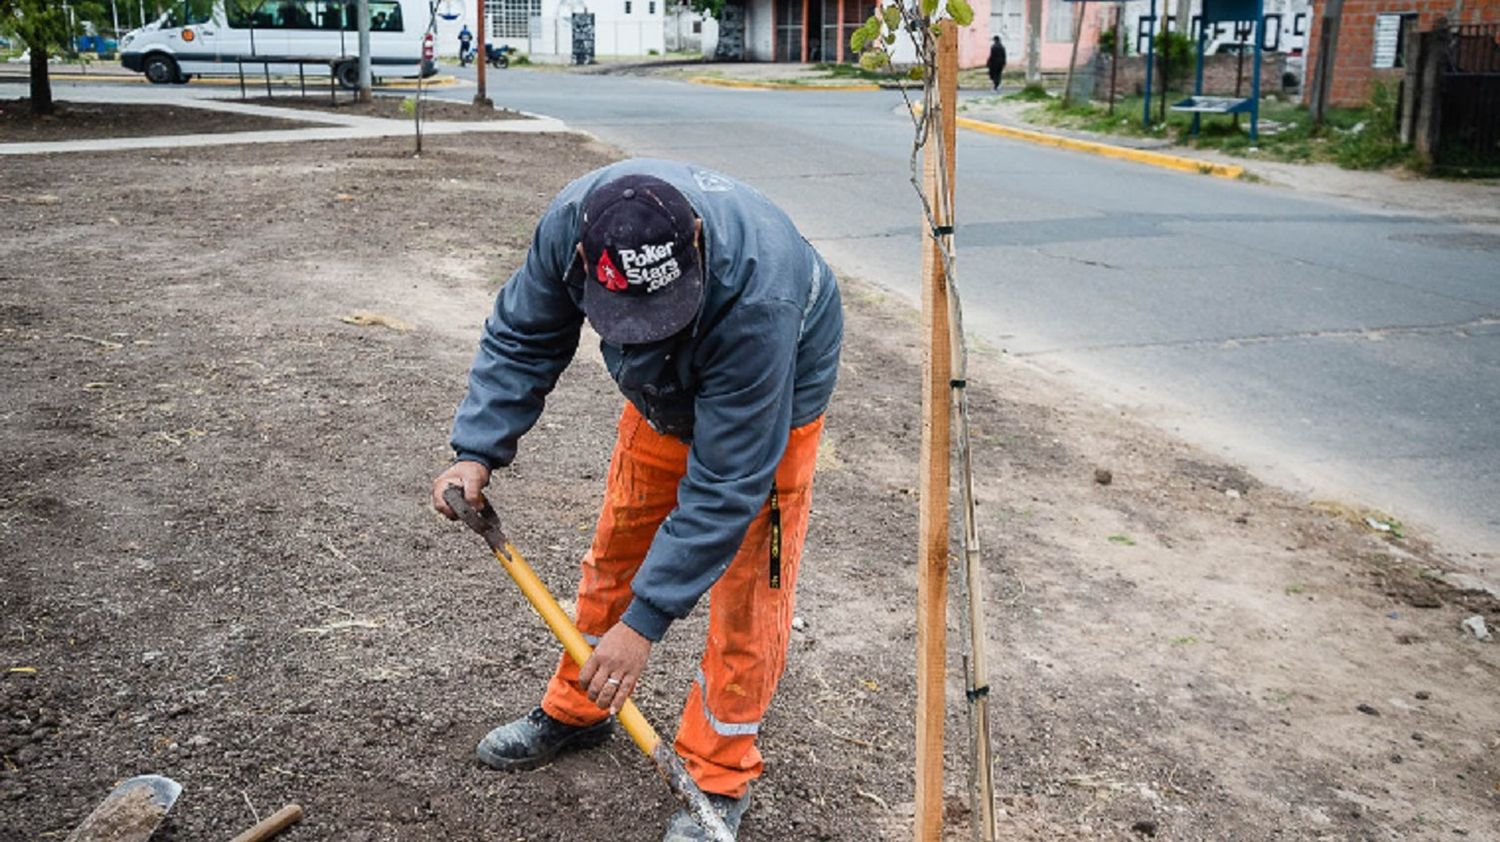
498, 57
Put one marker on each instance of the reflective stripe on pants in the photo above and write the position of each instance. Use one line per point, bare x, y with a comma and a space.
749, 622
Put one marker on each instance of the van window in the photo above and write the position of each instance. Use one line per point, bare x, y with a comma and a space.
189, 14
385, 16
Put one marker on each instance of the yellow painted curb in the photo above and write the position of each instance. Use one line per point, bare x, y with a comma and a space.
1124, 153
774, 86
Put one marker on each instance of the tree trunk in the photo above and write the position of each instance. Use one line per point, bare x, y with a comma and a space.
41, 83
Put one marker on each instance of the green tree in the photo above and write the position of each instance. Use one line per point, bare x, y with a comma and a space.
46, 28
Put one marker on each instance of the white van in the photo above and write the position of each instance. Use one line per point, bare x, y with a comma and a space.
193, 39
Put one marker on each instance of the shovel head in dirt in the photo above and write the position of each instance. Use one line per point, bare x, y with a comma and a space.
131, 813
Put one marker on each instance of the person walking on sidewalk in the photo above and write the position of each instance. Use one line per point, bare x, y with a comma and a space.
996, 63
722, 327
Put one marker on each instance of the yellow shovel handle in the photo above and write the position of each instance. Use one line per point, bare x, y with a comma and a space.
578, 649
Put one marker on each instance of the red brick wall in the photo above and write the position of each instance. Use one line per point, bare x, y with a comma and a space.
1353, 76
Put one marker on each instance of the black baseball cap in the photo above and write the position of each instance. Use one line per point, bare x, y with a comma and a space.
642, 272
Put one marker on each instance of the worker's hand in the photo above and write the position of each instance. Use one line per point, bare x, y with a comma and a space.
611, 672
472, 476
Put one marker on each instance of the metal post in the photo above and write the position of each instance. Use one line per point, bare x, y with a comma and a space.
1114, 67
241, 65
1198, 80
266, 66
1260, 22
302, 78
363, 10
1150, 62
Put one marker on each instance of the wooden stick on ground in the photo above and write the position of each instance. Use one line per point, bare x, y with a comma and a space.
272, 824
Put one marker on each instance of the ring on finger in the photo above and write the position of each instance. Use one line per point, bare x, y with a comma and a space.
611, 680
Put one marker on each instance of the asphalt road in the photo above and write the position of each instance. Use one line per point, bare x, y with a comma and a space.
1343, 350
1347, 352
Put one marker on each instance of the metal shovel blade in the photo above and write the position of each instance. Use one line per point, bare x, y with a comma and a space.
130, 813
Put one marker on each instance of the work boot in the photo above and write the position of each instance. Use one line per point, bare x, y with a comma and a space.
682, 828
536, 738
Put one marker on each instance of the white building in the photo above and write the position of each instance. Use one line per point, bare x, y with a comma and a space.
543, 29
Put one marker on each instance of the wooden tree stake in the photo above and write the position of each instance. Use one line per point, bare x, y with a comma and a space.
932, 559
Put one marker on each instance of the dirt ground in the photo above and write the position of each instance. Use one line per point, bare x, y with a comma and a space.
220, 565
88, 120
389, 107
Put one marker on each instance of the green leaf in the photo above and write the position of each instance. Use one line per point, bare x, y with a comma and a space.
962, 13
915, 73
890, 38
858, 40
929, 8
893, 17
873, 60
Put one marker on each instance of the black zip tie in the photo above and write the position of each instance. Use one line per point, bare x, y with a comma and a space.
942, 230
958, 384
977, 693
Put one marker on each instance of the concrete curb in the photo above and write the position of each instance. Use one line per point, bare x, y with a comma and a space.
440, 81
1123, 153
717, 82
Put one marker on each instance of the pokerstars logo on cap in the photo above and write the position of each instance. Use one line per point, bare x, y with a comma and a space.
644, 272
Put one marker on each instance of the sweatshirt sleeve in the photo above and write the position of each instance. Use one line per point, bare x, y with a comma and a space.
742, 421
528, 340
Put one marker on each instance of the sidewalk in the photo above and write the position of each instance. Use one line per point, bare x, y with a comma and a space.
323, 125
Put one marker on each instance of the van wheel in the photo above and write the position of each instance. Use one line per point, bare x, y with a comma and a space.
347, 74
161, 70
182, 79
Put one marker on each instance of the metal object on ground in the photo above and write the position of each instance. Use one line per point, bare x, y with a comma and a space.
131, 812
487, 524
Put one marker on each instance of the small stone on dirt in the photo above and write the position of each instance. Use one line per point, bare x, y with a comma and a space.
1103, 476
799, 624
1368, 710
1423, 695
1475, 626
1418, 736
1144, 827
1232, 493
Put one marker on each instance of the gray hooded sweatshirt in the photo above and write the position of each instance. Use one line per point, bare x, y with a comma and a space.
760, 360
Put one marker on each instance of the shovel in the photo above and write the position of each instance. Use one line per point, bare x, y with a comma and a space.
487, 524
131, 812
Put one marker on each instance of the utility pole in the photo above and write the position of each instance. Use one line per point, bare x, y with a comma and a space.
362, 8
1033, 42
1082, 10
1328, 45
481, 98
935, 468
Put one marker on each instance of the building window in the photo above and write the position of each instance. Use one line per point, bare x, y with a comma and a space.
697, 27
1390, 40
511, 18
1060, 21
627, 7
651, 7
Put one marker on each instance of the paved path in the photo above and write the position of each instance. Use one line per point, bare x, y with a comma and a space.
322, 125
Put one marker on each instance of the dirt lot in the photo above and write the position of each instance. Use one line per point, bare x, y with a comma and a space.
88, 120
219, 564
390, 107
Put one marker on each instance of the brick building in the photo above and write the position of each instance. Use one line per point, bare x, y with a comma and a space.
1370, 48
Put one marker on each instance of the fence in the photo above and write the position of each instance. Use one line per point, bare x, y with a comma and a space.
1450, 97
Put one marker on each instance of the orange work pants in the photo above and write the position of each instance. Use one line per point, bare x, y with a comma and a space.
749, 621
